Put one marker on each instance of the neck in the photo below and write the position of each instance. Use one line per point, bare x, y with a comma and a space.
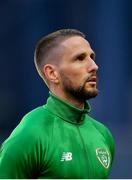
68, 98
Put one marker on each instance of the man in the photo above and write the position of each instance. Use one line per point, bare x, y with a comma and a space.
60, 139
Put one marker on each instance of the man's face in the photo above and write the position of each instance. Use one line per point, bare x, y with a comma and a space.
77, 69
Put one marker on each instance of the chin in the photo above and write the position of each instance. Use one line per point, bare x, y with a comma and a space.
91, 93
91, 90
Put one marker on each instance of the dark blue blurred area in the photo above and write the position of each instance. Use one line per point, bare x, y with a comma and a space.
108, 27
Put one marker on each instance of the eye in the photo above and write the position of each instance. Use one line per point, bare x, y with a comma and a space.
81, 57
92, 56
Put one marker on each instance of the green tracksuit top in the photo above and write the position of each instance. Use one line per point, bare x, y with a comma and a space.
57, 140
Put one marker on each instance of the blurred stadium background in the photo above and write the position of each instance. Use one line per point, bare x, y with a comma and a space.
108, 26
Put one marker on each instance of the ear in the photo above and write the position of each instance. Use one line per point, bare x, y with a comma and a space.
51, 73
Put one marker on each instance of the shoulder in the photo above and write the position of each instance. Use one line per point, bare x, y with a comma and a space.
102, 129
105, 133
31, 128
37, 114
36, 120
28, 138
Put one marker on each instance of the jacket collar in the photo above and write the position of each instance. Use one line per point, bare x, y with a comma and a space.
65, 110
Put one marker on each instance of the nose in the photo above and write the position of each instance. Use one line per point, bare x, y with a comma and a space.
93, 66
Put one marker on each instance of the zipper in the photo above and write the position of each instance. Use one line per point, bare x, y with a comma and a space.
85, 152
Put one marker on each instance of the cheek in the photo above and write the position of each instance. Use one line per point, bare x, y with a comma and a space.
76, 73
74, 78
73, 75
73, 72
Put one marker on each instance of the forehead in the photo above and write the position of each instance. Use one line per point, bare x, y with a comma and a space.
69, 48
75, 43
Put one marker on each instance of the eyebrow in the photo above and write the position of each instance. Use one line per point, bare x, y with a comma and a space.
84, 54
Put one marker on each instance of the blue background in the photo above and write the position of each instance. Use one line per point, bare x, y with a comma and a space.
108, 27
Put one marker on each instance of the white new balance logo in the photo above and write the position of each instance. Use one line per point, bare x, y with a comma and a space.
66, 156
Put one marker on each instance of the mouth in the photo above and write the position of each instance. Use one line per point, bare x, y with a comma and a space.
92, 79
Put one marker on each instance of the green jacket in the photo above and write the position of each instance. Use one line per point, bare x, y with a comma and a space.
57, 140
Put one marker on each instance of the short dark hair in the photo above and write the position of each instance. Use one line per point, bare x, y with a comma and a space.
47, 43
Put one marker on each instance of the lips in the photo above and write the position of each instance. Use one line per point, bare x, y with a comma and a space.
92, 79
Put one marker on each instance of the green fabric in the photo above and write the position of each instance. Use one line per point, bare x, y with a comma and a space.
57, 140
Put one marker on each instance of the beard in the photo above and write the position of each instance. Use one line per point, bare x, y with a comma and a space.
80, 92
